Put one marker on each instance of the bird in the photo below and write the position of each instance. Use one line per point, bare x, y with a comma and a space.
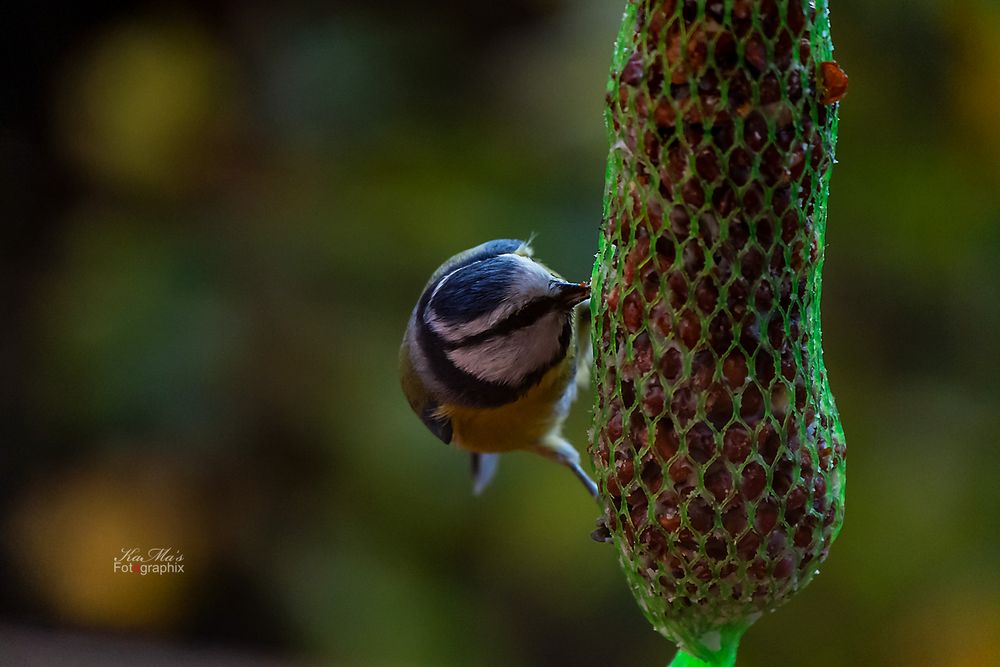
494, 353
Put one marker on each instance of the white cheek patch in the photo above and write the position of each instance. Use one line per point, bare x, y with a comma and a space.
510, 358
533, 282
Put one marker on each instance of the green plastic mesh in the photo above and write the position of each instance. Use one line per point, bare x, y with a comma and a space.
717, 444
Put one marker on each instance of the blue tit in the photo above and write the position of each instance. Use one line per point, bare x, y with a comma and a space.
493, 355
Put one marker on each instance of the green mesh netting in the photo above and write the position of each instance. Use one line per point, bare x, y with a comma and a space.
717, 444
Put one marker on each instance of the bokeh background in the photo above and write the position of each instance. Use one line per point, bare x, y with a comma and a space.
216, 217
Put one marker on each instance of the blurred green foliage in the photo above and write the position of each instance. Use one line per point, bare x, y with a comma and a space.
217, 218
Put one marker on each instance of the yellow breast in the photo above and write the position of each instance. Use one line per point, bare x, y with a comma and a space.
518, 425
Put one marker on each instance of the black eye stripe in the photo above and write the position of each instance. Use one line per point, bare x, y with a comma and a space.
530, 313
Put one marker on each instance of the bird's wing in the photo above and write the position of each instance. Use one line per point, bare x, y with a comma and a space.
439, 425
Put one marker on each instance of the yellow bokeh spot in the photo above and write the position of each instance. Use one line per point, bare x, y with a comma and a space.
66, 533
976, 94
958, 630
146, 105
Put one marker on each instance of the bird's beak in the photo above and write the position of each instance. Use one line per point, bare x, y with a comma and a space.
570, 294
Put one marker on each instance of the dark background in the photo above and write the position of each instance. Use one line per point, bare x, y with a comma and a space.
216, 217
